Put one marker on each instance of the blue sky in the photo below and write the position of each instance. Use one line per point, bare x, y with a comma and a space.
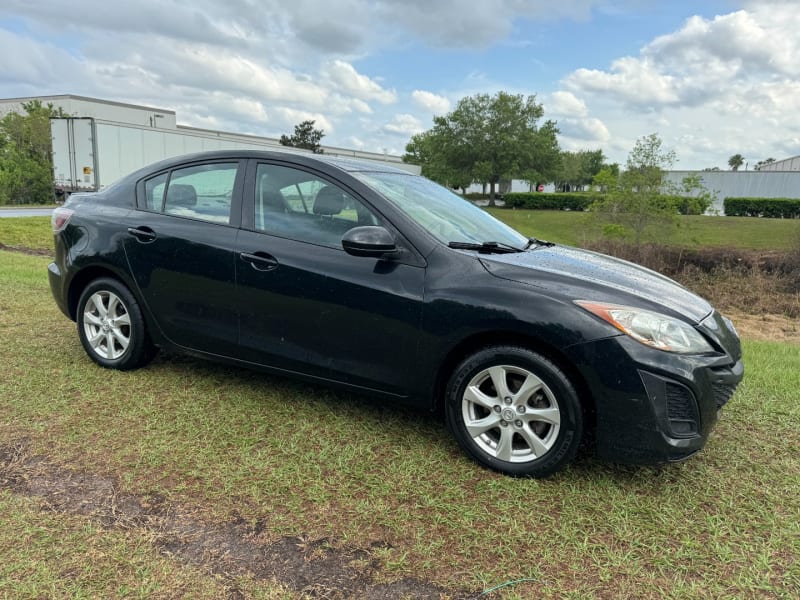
712, 78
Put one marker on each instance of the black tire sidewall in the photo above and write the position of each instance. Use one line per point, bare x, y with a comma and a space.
139, 349
571, 428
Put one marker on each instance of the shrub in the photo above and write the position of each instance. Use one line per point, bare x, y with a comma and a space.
775, 208
550, 201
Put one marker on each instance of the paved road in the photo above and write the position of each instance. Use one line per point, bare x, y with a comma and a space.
25, 212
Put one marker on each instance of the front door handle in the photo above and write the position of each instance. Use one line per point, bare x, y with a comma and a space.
260, 261
144, 234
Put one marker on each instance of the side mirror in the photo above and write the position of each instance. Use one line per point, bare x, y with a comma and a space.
368, 241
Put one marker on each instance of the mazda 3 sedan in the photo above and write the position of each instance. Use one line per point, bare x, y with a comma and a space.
362, 276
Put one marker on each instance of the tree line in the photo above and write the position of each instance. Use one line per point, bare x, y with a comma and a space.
26, 155
488, 139
485, 139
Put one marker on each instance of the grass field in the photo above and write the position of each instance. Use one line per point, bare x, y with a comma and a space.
27, 232
573, 228
558, 226
165, 482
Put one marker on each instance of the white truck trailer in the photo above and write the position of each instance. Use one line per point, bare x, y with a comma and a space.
90, 153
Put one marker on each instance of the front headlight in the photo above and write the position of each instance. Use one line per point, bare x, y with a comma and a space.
650, 328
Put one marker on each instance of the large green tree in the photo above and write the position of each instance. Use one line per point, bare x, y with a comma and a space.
486, 139
26, 155
427, 150
305, 136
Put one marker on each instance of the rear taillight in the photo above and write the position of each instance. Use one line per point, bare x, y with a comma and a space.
60, 219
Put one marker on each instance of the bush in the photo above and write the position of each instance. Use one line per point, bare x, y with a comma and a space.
550, 201
693, 205
775, 208
477, 196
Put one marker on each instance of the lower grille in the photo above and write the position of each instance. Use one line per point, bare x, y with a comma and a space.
722, 393
681, 409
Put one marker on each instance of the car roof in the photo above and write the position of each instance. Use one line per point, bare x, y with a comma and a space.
299, 157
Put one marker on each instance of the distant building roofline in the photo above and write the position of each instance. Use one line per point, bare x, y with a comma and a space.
88, 99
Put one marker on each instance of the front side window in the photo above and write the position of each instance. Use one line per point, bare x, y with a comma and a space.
201, 192
298, 205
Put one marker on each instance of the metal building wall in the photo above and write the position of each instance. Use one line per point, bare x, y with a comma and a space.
787, 164
747, 184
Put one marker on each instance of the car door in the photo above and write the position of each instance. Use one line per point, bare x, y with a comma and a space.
179, 246
306, 305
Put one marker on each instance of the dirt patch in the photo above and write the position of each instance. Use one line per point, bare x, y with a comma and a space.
29, 251
317, 568
766, 327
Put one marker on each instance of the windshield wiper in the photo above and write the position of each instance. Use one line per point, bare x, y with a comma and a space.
535, 242
485, 247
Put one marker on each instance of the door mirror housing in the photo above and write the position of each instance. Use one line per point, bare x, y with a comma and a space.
368, 240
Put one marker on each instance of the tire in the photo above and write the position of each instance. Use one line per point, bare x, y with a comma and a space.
532, 428
111, 327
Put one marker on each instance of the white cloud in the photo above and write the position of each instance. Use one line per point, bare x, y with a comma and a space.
589, 130
292, 116
714, 87
343, 76
356, 143
634, 81
404, 124
451, 23
438, 105
566, 104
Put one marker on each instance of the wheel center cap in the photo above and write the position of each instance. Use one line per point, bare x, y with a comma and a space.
105, 325
508, 414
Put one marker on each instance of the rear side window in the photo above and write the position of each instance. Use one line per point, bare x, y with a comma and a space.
154, 192
201, 192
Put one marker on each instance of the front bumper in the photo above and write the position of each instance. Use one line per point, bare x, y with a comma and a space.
653, 406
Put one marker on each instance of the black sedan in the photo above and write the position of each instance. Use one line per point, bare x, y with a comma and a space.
359, 275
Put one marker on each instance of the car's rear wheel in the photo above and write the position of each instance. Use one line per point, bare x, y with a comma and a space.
111, 327
514, 411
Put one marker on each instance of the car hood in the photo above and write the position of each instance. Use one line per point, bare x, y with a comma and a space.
588, 275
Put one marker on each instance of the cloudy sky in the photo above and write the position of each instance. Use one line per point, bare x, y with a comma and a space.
712, 78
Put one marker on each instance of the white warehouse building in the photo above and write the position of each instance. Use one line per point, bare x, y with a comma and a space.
103, 140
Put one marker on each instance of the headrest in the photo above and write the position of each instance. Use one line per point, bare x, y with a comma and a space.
179, 194
329, 201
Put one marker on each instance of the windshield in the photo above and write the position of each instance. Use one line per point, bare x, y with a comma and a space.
446, 216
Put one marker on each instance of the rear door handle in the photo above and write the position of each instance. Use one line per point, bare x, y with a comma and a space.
143, 234
260, 261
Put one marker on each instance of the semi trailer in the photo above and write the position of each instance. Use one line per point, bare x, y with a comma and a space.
90, 153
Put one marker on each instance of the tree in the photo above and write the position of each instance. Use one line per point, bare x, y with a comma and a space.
579, 168
305, 136
735, 161
763, 163
490, 138
635, 201
26, 155
427, 150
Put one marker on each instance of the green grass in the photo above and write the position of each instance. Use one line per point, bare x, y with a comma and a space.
49, 555
18, 206
572, 228
231, 445
27, 232
563, 227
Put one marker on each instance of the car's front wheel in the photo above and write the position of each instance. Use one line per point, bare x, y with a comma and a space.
514, 411
111, 327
